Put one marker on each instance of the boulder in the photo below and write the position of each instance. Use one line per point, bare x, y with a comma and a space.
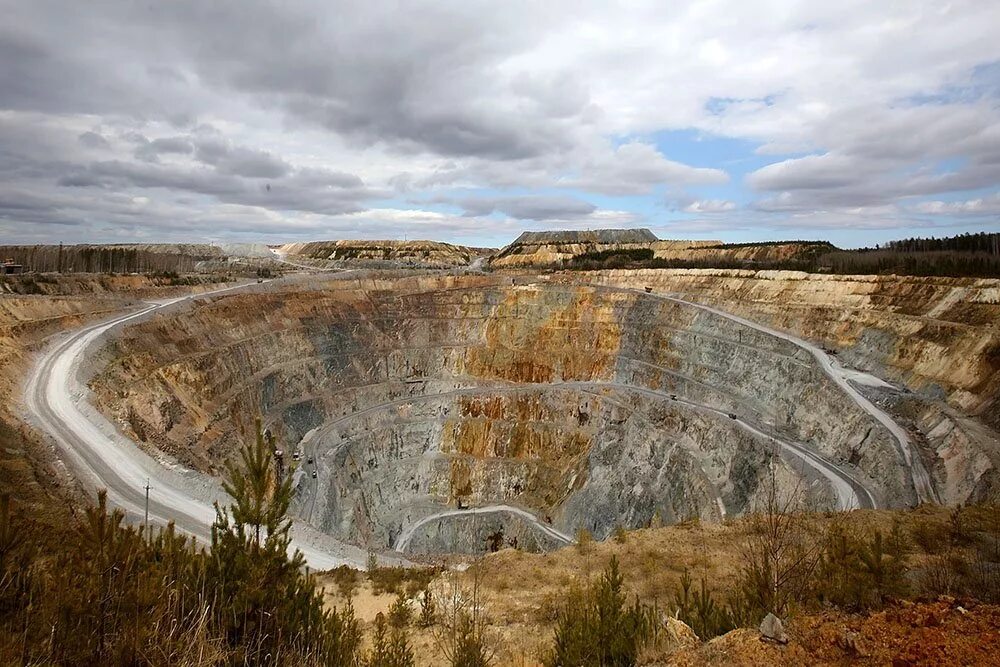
771, 629
678, 632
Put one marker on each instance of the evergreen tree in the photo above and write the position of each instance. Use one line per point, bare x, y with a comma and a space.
598, 628
272, 607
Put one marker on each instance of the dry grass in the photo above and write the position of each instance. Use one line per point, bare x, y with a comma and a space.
523, 590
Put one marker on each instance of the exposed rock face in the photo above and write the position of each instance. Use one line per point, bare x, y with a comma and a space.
940, 337
382, 254
558, 406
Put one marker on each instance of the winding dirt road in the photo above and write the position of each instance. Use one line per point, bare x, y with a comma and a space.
103, 458
921, 480
406, 536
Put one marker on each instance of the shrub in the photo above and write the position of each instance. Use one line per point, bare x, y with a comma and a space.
400, 612
699, 609
931, 537
597, 627
394, 579
427, 610
390, 647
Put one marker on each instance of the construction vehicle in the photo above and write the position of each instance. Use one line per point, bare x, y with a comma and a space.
9, 267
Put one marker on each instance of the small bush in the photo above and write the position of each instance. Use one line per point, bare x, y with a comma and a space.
427, 609
396, 579
700, 610
400, 612
932, 537
346, 579
390, 647
597, 627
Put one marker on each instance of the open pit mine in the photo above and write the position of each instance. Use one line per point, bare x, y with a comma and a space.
423, 414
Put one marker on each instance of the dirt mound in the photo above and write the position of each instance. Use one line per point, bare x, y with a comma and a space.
375, 254
533, 249
587, 236
943, 632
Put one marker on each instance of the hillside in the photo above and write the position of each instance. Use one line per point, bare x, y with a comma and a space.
540, 249
381, 254
615, 247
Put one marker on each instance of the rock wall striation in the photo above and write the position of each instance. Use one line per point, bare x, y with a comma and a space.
545, 407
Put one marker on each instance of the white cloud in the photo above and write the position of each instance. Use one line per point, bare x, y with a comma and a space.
710, 206
989, 205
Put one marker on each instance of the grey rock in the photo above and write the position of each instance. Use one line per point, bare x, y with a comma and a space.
772, 629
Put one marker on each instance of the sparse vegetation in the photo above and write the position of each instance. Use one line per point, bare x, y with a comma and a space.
115, 595
463, 636
390, 646
393, 580
598, 627
699, 608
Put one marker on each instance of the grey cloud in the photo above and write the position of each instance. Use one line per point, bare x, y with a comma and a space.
151, 150
240, 161
530, 208
310, 191
93, 140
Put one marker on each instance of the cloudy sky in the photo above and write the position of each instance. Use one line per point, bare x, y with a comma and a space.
469, 121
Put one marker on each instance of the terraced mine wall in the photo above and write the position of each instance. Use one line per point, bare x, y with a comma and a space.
437, 412
938, 337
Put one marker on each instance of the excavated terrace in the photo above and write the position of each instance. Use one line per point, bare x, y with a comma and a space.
434, 413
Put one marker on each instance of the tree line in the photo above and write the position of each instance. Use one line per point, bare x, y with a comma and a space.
985, 242
967, 255
101, 259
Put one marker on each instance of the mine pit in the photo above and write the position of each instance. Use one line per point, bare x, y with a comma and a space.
460, 414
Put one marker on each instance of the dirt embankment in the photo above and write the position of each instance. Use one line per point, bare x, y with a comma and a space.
74, 284
42, 489
553, 249
376, 254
